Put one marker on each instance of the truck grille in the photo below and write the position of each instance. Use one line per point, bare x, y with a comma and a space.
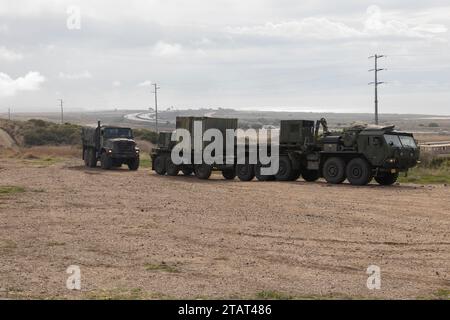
124, 147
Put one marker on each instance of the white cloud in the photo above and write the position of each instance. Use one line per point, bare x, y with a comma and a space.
75, 76
116, 84
30, 82
375, 24
164, 49
8, 55
317, 28
146, 83
322, 28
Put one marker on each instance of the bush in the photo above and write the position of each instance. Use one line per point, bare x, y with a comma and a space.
433, 125
38, 133
146, 135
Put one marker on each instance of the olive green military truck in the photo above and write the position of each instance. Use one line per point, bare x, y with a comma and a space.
113, 146
161, 156
359, 154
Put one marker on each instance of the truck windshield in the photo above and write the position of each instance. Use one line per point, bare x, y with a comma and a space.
408, 141
118, 133
393, 140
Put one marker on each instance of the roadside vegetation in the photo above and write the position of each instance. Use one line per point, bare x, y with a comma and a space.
146, 135
36, 132
429, 171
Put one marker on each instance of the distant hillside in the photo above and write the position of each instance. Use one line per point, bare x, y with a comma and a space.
36, 132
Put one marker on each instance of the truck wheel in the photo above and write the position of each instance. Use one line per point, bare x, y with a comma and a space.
133, 164
160, 165
203, 171
86, 157
261, 177
285, 172
245, 172
295, 174
359, 172
92, 158
187, 171
334, 170
172, 169
229, 174
310, 175
387, 179
106, 161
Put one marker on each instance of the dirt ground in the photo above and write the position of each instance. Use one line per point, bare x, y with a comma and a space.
139, 235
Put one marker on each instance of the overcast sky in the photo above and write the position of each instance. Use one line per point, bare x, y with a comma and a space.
244, 54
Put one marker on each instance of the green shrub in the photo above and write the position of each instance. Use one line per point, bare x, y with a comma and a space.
146, 135
38, 133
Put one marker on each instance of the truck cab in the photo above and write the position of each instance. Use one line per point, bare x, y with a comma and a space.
387, 149
113, 146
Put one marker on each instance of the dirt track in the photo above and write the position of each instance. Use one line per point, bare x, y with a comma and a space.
138, 235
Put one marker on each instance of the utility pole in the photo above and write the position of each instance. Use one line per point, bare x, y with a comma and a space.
62, 110
156, 88
376, 82
9, 113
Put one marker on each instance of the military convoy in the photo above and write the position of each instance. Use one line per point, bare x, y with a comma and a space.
113, 146
357, 154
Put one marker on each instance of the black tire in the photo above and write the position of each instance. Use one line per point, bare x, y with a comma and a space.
133, 164
285, 171
359, 172
86, 157
203, 171
310, 175
160, 165
106, 161
187, 171
387, 179
261, 177
92, 159
245, 172
334, 170
295, 174
171, 168
229, 174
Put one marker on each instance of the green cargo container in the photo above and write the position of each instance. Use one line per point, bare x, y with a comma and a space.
221, 124
296, 132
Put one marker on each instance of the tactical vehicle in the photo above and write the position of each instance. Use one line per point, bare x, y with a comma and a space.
113, 146
358, 154
161, 156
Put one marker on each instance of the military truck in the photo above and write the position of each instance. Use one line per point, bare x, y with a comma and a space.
113, 146
161, 156
358, 154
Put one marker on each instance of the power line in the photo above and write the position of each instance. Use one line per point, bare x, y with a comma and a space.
62, 110
376, 82
156, 88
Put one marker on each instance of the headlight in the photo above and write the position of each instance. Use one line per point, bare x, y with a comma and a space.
391, 160
109, 151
